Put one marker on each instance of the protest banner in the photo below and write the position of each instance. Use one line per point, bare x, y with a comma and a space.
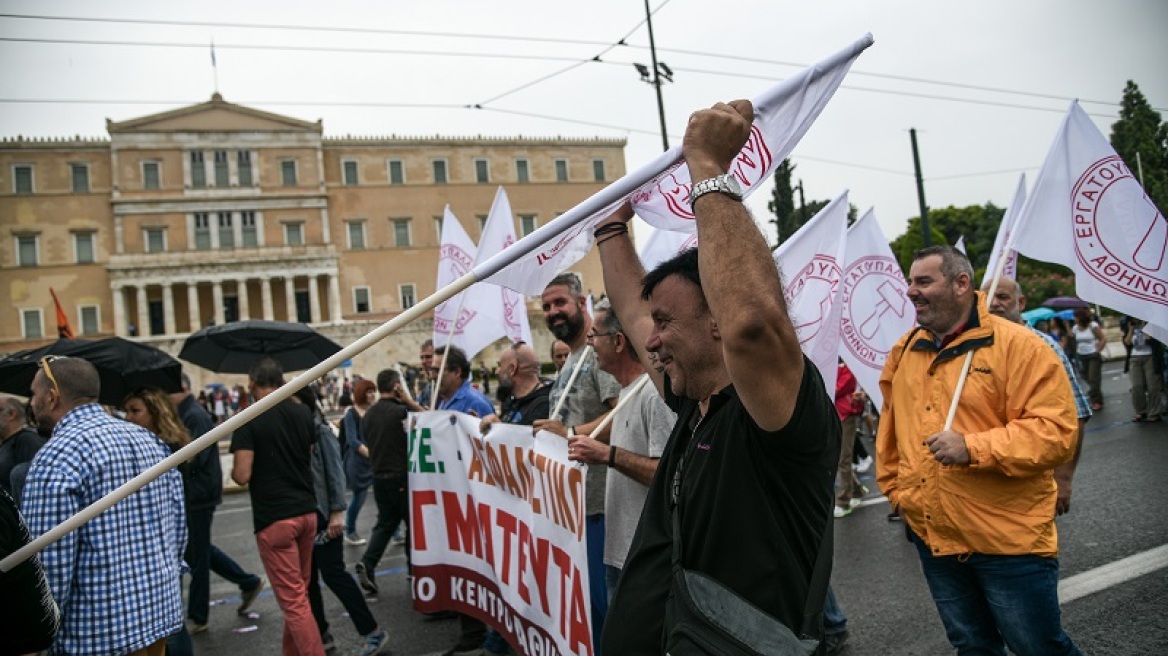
497, 531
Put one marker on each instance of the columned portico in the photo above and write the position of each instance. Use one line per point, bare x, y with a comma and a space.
266, 298
168, 308
119, 310
217, 301
193, 315
313, 299
143, 326
290, 298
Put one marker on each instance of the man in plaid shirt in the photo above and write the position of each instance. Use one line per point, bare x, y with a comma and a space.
117, 578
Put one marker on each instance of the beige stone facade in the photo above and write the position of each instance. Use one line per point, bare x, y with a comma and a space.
218, 212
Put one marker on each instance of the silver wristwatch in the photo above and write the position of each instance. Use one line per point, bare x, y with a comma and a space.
723, 184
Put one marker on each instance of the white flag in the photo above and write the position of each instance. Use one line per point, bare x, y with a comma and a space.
1089, 213
874, 301
960, 245
498, 234
661, 245
783, 114
1005, 230
810, 264
479, 321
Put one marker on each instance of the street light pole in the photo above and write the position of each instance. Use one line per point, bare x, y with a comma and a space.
927, 238
656, 77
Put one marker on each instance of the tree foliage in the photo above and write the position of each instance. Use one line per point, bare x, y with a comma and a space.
1141, 130
782, 203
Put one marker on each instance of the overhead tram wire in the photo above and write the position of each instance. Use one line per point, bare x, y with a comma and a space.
509, 37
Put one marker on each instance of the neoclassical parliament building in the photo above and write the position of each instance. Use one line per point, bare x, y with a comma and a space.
217, 212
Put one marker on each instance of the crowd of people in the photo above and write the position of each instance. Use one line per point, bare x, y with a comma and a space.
717, 461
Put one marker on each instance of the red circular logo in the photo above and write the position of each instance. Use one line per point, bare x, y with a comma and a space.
873, 293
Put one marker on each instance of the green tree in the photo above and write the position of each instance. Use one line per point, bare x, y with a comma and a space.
782, 203
1141, 130
977, 223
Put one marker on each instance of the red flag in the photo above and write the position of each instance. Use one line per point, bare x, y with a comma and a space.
64, 330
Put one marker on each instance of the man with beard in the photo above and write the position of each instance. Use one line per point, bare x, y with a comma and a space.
426, 356
524, 395
978, 499
744, 489
591, 397
1008, 303
117, 578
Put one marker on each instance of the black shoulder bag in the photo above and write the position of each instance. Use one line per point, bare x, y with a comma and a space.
709, 618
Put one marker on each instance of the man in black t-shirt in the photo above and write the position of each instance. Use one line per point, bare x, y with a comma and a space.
273, 457
524, 396
754, 450
384, 429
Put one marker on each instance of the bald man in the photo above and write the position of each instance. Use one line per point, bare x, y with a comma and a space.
19, 442
523, 393
1008, 303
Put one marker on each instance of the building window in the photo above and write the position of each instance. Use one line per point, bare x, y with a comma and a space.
397, 172
247, 221
83, 248
439, 166
294, 234
31, 326
598, 170
243, 166
80, 175
482, 170
401, 233
357, 234
27, 250
88, 319
361, 304
522, 172
407, 295
222, 174
226, 230
202, 231
561, 170
151, 175
527, 224
198, 172
288, 172
438, 228
22, 179
482, 223
349, 172
155, 240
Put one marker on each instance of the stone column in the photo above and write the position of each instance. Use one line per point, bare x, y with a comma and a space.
334, 292
168, 308
266, 297
193, 315
313, 299
290, 298
217, 302
244, 303
119, 311
143, 312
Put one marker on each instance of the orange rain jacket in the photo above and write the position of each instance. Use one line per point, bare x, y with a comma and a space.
1018, 418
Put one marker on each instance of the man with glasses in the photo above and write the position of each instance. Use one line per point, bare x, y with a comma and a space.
591, 397
426, 356
117, 577
636, 440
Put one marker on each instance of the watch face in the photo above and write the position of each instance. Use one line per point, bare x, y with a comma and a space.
732, 184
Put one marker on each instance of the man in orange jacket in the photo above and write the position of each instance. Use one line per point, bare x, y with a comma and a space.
978, 499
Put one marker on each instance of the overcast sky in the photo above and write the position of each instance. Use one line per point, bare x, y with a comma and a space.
945, 68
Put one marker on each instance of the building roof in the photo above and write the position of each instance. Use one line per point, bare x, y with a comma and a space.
216, 115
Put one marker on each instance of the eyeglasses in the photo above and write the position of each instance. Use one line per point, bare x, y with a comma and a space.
44, 365
591, 335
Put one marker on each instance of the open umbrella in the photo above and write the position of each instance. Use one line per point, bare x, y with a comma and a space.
123, 366
233, 348
1037, 314
1064, 302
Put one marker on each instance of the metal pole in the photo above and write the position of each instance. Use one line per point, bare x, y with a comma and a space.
1140, 168
927, 237
656, 78
802, 205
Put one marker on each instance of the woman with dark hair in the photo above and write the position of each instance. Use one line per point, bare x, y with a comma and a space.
328, 559
1089, 343
358, 475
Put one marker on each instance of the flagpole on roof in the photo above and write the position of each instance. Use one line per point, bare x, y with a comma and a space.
214, 66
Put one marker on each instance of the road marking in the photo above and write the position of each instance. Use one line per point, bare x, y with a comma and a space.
228, 511
1112, 574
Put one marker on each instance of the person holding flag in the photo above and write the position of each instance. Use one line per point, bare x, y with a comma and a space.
744, 489
978, 499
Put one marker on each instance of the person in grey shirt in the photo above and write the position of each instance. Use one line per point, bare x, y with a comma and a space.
637, 438
590, 398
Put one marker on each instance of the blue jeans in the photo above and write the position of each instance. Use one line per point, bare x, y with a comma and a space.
834, 620
354, 509
594, 534
990, 602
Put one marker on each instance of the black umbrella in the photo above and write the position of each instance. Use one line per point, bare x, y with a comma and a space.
1066, 302
233, 348
123, 365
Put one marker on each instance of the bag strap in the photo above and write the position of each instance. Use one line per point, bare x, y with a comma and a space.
820, 573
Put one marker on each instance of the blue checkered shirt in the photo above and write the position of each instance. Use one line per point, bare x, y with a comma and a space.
1081, 404
115, 579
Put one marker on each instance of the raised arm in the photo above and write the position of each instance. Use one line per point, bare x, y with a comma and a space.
739, 276
623, 272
